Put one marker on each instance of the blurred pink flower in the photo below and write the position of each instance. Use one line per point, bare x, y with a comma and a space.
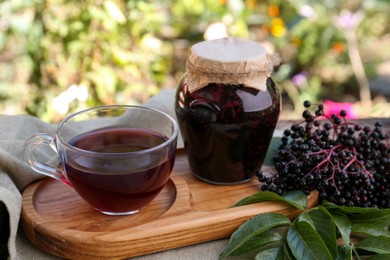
331, 107
348, 20
300, 78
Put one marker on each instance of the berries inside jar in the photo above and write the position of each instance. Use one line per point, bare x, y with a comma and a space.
227, 129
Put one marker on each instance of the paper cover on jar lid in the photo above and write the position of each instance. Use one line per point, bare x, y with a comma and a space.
229, 61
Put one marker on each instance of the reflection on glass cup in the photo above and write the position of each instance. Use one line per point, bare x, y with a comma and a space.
117, 158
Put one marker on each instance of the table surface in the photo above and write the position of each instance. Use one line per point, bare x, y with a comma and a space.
208, 250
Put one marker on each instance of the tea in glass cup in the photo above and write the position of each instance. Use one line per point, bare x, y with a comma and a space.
117, 158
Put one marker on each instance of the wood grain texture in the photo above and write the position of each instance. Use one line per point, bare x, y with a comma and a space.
186, 212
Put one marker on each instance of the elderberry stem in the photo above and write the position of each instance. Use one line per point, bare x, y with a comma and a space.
332, 177
329, 154
354, 159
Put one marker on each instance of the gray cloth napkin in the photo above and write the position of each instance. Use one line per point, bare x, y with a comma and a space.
16, 174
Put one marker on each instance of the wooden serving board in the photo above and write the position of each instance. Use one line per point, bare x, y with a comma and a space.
187, 211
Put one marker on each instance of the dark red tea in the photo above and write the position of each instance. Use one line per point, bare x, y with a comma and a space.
114, 182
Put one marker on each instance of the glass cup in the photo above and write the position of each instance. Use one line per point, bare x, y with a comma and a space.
117, 158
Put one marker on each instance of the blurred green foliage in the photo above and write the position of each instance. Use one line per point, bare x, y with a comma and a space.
59, 56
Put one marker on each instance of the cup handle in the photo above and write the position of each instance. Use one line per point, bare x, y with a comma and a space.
29, 147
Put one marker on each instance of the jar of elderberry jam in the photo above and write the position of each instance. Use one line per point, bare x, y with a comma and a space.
227, 107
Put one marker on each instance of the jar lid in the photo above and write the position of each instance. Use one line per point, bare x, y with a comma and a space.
229, 61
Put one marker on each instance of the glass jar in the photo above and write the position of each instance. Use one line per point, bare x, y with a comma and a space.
226, 124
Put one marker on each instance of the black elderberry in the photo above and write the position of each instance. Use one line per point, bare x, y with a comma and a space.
306, 114
307, 103
337, 120
347, 163
319, 112
348, 142
295, 127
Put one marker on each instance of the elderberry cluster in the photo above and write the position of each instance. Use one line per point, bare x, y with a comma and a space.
347, 163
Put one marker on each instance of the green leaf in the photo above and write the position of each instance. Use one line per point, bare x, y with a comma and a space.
259, 242
380, 257
288, 255
377, 244
306, 217
381, 217
331, 206
305, 243
352, 210
349, 210
344, 253
340, 219
272, 151
343, 225
252, 228
371, 229
370, 221
295, 198
275, 253
324, 225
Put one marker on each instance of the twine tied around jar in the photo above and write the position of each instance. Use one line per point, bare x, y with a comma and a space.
229, 61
